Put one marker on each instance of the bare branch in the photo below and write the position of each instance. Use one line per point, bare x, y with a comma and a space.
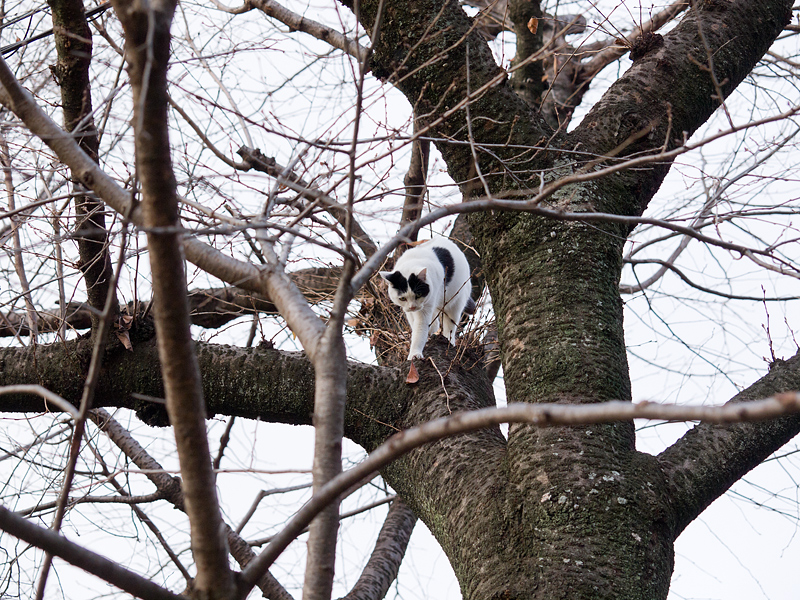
384, 562
311, 27
201, 134
19, 264
668, 266
97, 565
46, 394
342, 517
19, 100
170, 487
260, 496
608, 51
253, 158
415, 181
99, 338
123, 499
147, 51
710, 458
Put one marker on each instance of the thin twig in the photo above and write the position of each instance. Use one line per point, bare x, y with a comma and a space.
107, 570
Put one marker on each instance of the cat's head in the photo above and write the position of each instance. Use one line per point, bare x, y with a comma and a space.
407, 291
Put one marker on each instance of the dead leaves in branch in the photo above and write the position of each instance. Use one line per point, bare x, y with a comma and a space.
122, 328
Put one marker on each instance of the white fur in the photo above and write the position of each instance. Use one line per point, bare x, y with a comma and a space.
447, 302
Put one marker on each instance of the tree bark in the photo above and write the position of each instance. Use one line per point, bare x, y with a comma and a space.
147, 48
384, 562
706, 461
562, 512
73, 39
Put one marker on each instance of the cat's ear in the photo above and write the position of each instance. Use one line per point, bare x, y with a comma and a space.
423, 274
390, 277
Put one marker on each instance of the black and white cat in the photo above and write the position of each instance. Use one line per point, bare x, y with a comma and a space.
431, 281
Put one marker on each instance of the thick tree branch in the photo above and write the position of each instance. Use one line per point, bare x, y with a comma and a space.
427, 59
384, 562
73, 39
147, 51
209, 308
311, 27
674, 91
706, 461
256, 383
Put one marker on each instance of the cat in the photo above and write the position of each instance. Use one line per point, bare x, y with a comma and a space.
430, 281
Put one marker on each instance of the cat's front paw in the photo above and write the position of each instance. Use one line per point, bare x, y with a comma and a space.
412, 355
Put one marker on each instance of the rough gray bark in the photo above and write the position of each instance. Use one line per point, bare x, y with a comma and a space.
706, 461
256, 383
558, 310
384, 562
73, 39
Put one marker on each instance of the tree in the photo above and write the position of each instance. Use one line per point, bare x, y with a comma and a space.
564, 505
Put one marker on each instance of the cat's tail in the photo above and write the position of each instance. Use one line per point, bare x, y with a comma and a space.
470, 306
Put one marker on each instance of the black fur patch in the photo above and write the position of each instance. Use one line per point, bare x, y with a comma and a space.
398, 281
444, 256
419, 287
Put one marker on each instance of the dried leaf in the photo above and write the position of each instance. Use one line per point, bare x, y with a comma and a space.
121, 328
123, 337
413, 376
533, 24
